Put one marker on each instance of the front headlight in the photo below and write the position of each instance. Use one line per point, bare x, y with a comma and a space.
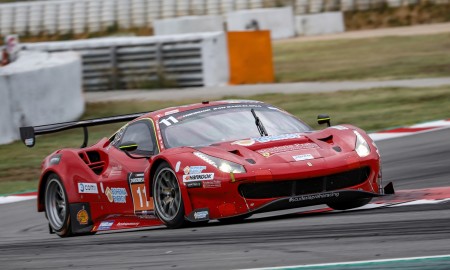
221, 164
361, 146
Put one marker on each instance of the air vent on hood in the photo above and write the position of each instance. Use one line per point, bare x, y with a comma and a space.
328, 139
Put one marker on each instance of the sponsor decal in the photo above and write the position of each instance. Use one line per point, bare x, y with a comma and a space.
201, 214
83, 217
105, 225
303, 157
244, 142
212, 184
136, 178
193, 169
116, 170
287, 148
339, 127
171, 112
314, 197
197, 184
116, 195
127, 224
277, 138
87, 188
198, 177
54, 160
139, 193
177, 166
29, 142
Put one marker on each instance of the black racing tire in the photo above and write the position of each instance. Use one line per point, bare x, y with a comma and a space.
236, 219
349, 204
167, 198
57, 206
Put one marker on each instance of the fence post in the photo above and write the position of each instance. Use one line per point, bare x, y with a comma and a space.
114, 69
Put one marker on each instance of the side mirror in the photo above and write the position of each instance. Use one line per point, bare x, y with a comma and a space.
128, 146
323, 118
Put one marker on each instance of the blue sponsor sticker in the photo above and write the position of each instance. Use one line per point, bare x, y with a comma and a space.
277, 138
105, 225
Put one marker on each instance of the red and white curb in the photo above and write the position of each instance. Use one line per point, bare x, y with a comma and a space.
406, 131
377, 136
18, 197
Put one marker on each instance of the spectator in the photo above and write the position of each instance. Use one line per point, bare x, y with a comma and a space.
5, 58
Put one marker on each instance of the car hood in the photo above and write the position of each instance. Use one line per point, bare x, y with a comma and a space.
286, 148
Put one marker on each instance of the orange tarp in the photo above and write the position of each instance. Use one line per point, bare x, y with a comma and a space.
250, 57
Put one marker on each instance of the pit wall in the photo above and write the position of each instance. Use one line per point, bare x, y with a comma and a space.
281, 23
188, 24
39, 88
320, 24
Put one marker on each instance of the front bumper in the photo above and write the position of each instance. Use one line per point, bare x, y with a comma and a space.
321, 198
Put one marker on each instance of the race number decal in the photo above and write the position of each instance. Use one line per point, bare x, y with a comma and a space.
139, 194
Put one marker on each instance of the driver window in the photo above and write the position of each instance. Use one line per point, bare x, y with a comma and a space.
140, 133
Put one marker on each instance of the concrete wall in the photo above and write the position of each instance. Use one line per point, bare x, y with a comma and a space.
37, 89
216, 69
320, 24
189, 24
280, 21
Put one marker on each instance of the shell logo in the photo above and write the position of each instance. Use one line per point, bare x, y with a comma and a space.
82, 217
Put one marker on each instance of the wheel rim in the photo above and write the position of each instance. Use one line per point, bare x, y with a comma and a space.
167, 194
55, 204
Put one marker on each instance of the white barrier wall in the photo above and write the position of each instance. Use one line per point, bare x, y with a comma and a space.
189, 24
280, 21
39, 88
320, 24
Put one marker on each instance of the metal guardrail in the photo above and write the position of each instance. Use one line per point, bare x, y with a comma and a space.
143, 64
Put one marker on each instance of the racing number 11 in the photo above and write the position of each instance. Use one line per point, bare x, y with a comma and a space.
139, 194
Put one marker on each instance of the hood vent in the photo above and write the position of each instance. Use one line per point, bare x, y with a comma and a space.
328, 139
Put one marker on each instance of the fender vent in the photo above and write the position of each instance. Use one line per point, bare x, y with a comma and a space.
94, 161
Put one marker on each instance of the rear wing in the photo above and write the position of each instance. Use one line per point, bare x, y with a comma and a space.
28, 134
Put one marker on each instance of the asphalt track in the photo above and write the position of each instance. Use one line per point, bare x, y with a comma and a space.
412, 162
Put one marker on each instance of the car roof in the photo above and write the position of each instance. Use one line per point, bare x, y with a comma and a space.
204, 104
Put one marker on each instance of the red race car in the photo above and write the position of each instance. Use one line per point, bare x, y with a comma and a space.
222, 160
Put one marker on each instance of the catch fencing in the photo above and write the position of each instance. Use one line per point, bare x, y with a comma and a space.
92, 16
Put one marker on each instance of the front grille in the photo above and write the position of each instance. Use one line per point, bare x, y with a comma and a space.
290, 188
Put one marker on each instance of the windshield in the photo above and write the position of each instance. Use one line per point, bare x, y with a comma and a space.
210, 125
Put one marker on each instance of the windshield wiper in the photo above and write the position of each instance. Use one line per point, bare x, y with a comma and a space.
259, 124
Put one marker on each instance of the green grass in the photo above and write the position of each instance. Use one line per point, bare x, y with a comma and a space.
363, 59
369, 109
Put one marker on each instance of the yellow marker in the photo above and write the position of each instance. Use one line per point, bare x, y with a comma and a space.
232, 177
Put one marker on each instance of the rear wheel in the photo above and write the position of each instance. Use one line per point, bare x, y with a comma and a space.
167, 198
349, 204
57, 206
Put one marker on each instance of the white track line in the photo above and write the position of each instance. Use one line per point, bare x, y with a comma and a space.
13, 199
352, 263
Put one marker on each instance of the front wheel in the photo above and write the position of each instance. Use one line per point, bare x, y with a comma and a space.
349, 204
167, 199
57, 206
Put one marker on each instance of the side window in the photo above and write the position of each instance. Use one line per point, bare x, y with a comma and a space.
141, 133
